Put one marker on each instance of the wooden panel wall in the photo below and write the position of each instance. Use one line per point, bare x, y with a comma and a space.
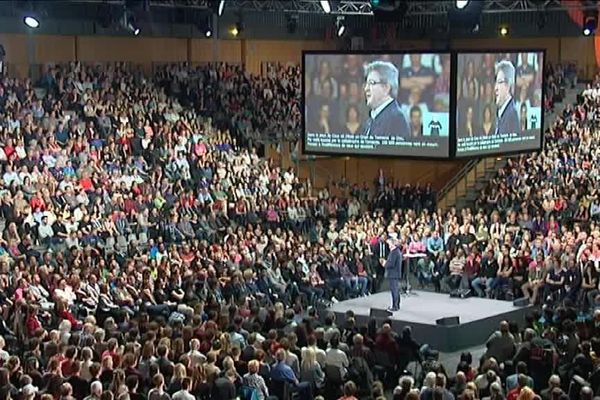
259, 51
133, 49
359, 170
16, 53
210, 50
202, 50
55, 48
48, 48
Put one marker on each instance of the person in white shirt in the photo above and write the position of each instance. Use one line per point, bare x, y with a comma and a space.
3, 353
196, 357
64, 293
45, 231
10, 176
184, 393
588, 90
40, 293
336, 357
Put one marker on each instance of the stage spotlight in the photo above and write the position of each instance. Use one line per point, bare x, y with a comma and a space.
132, 25
237, 29
503, 30
340, 26
31, 21
460, 4
590, 22
326, 6
204, 24
221, 7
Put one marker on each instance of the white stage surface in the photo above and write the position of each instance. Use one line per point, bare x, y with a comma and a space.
477, 317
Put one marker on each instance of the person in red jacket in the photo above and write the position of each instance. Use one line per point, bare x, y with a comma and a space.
521, 391
32, 323
64, 313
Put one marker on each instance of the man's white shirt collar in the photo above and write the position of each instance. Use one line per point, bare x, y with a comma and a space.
376, 111
501, 110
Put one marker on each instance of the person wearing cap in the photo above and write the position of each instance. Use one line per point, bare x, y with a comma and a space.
393, 271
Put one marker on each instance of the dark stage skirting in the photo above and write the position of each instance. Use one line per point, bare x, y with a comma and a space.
478, 318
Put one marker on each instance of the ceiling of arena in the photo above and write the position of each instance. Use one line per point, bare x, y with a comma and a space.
267, 18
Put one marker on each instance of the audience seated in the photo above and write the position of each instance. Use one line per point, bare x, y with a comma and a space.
148, 251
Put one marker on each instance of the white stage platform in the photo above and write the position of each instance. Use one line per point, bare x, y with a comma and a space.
420, 310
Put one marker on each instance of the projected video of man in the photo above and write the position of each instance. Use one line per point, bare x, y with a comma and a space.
499, 102
380, 104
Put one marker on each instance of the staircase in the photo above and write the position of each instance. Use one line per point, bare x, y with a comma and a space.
462, 190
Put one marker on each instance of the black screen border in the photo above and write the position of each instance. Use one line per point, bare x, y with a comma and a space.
453, 99
451, 107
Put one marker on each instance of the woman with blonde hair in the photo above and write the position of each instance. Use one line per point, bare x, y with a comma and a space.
526, 394
179, 373
472, 387
118, 381
468, 394
279, 310
310, 370
429, 381
255, 381
225, 340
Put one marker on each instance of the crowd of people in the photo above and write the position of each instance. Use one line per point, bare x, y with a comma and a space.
260, 108
558, 79
148, 251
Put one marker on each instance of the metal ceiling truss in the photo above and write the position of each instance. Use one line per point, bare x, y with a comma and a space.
345, 7
363, 7
496, 6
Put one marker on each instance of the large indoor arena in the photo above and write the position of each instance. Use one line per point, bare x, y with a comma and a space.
299, 199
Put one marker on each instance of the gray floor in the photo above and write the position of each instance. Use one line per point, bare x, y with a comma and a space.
424, 307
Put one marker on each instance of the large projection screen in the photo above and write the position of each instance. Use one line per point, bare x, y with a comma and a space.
377, 104
499, 99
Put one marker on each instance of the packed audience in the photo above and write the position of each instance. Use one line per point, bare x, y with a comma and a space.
258, 108
147, 253
557, 80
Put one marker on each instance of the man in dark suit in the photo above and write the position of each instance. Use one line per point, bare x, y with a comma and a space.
381, 89
393, 272
508, 118
224, 386
379, 252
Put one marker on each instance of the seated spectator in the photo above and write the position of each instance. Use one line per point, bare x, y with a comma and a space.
501, 344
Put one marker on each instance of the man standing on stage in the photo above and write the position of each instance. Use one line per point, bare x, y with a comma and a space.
380, 251
393, 272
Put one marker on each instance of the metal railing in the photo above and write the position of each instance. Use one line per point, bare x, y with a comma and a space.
452, 184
